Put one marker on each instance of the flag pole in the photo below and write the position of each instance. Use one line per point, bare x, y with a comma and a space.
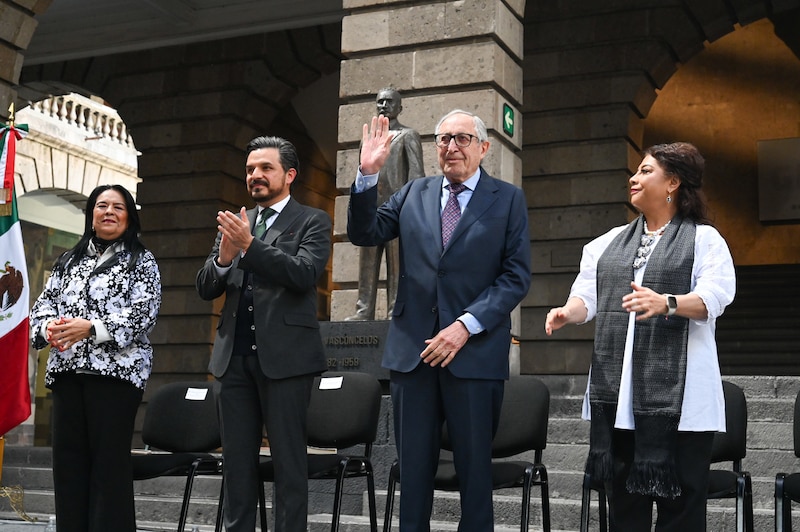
15, 392
2, 437
6, 207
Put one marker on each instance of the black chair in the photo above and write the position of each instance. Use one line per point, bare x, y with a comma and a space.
787, 486
180, 430
522, 427
729, 446
339, 418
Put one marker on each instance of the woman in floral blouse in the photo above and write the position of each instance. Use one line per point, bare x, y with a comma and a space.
96, 310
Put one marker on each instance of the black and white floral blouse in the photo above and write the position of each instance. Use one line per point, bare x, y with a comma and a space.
102, 288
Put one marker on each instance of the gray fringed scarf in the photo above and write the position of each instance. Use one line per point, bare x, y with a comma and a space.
659, 358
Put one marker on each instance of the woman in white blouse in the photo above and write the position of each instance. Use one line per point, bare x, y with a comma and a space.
656, 287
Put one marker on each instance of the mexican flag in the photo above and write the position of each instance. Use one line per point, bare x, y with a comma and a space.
15, 396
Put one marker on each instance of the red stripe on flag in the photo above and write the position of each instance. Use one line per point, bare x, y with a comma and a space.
15, 394
11, 150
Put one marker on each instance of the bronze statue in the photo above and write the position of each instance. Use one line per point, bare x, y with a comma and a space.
404, 163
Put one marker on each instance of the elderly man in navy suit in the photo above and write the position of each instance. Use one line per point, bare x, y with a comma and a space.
464, 266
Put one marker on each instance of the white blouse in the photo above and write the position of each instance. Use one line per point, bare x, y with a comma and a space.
714, 281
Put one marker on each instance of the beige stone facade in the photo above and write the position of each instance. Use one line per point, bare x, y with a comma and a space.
583, 80
440, 56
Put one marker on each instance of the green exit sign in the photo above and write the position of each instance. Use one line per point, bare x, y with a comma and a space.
508, 120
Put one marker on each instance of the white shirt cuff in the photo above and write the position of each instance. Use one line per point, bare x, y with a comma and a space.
365, 182
222, 270
471, 323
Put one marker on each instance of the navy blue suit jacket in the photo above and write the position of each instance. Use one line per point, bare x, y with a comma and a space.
485, 269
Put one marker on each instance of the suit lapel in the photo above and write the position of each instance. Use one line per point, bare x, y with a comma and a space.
432, 206
252, 217
283, 221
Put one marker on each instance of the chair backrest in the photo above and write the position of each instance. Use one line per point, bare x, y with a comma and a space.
524, 416
182, 417
731, 445
346, 414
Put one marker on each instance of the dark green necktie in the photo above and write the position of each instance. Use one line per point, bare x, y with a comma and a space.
261, 226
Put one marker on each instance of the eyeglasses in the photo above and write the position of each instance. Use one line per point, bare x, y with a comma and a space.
462, 139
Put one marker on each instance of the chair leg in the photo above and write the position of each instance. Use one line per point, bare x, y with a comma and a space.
740, 503
262, 506
744, 503
783, 506
748, 504
524, 518
337, 496
545, 492
220, 506
373, 511
387, 515
187, 493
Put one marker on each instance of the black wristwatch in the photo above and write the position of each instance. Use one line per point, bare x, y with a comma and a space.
92, 332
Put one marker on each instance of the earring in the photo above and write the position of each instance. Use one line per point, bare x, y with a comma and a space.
669, 199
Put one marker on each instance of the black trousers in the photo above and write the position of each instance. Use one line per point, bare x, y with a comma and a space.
632, 512
249, 401
93, 419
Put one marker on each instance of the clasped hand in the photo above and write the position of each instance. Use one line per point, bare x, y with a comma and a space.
65, 332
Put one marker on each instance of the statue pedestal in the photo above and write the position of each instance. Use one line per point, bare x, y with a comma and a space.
355, 346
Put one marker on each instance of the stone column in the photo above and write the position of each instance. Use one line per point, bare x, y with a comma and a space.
16, 30
441, 56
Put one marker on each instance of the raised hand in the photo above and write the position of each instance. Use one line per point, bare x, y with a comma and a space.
376, 141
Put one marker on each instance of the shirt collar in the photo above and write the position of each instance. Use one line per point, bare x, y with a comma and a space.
278, 207
470, 183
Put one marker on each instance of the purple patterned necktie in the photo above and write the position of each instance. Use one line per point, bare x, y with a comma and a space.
451, 212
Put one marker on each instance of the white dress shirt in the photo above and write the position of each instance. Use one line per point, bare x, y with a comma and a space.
714, 281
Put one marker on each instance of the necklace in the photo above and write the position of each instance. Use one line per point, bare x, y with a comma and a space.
646, 245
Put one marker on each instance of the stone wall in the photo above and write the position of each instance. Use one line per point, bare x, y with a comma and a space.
592, 73
581, 78
191, 111
17, 27
440, 56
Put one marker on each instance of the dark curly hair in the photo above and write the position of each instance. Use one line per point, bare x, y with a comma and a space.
684, 161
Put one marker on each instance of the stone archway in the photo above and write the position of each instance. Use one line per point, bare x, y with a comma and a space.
16, 32
732, 101
192, 109
592, 74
